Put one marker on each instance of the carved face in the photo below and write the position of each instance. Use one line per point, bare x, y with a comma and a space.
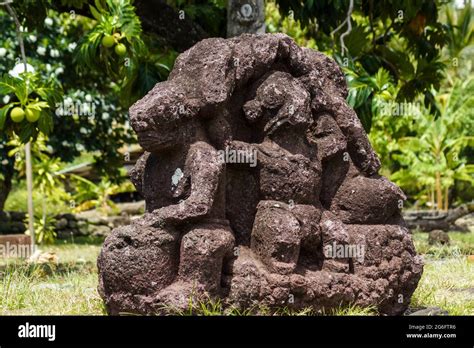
280, 100
167, 136
157, 139
164, 118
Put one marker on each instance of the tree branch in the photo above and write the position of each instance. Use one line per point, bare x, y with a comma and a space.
349, 27
12, 13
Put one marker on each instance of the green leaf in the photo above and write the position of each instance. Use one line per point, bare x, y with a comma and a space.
38, 105
4, 113
52, 95
382, 79
10, 84
357, 41
96, 14
45, 122
99, 5
27, 132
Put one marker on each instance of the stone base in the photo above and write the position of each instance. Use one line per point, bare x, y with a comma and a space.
386, 277
384, 273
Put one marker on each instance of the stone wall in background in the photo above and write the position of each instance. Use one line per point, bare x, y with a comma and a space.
11, 222
88, 223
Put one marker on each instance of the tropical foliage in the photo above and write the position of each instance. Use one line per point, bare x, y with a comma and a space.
408, 65
432, 158
98, 196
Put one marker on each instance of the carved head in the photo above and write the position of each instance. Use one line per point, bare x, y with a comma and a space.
164, 118
214, 78
279, 99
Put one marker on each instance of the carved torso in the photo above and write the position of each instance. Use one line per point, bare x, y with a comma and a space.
287, 177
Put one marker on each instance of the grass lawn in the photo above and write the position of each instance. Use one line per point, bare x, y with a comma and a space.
71, 286
448, 276
66, 289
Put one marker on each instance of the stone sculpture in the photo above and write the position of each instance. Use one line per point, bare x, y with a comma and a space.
261, 189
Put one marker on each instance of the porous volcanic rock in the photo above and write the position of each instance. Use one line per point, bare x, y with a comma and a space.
438, 237
261, 188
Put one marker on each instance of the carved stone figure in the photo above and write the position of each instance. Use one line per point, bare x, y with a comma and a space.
261, 189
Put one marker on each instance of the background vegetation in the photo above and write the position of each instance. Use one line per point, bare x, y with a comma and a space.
409, 66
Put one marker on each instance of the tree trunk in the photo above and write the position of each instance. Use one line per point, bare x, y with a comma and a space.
446, 198
245, 16
439, 192
432, 197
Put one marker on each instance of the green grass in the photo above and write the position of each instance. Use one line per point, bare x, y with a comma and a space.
216, 308
448, 284
68, 288
448, 276
71, 253
462, 243
36, 291
71, 286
